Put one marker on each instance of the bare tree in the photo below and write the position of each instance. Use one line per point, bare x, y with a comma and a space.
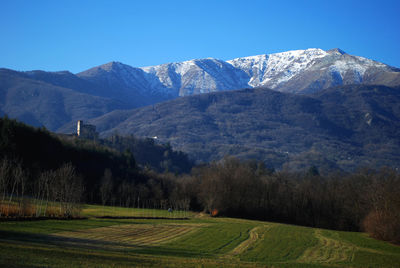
17, 178
43, 191
20, 177
68, 190
209, 192
5, 181
106, 186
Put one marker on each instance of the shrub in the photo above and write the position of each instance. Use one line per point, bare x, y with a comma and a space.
384, 225
9, 210
214, 212
26, 208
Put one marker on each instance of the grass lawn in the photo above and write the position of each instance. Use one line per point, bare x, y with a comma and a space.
199, 241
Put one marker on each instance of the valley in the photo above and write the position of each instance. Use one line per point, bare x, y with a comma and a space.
200, 134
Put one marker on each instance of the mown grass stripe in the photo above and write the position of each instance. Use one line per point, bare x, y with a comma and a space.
132, 234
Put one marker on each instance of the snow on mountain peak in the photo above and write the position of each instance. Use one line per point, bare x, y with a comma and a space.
270, 70
197, 76
293, 71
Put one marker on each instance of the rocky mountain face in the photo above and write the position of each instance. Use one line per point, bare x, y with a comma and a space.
198, 76
342, 127
298, 71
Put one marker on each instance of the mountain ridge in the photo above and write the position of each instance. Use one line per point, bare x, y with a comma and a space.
298, 71
39, 103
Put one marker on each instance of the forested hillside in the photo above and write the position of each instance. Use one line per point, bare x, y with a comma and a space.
339, 128
37, 151
151, 154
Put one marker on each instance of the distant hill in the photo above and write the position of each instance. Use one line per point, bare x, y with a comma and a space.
341, 127
51, 99
125, 83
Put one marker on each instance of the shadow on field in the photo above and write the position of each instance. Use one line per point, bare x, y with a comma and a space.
47, 240
139, 218
7, 219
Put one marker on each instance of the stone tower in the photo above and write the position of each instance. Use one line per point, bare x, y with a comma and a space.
79, 127
86, 131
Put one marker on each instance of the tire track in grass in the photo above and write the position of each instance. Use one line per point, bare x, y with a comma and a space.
328, 250
280, 243
253, 236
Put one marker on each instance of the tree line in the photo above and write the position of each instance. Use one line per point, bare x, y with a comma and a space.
362, 200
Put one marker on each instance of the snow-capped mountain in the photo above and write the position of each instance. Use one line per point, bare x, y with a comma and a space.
198, 76
275, 69
299, 71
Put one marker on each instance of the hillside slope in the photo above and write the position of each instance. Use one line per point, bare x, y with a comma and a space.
125, 83
341, 127
37, 102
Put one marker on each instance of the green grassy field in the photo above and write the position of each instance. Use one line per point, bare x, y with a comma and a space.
99, 211
199, 241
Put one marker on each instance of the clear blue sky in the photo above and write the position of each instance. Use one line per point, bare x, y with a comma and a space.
76, 35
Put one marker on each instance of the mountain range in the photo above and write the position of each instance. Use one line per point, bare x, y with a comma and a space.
298, 71
294, 101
